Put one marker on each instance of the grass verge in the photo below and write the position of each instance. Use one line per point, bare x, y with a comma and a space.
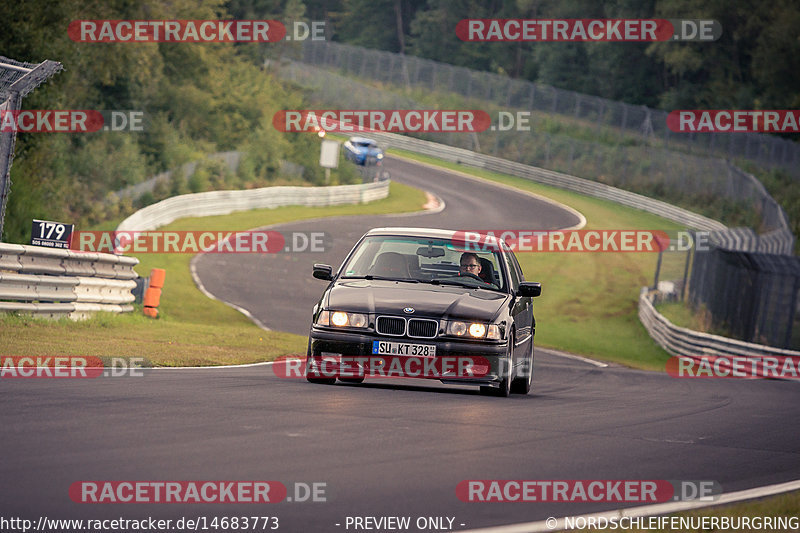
191, 329
589, 302
588, 306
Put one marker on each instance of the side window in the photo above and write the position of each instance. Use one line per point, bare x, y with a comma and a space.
517, 267
513, 269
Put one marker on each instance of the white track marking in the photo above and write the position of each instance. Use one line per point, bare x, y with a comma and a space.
573, 356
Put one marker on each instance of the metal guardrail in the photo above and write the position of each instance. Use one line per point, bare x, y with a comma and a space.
684, 342
779, 238
225, 202
56, 283
778, 241
678, 341
402, 70
678, 167
548, 177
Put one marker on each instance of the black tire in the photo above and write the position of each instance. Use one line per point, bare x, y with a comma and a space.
355, 381
507, 369
311, 376
522, 384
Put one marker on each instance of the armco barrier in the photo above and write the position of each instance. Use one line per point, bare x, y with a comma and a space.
55, 283
684, 342
779, 240
548, 177
224, 202
678, 341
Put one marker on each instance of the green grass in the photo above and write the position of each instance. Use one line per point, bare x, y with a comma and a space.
675, 170
589, 301
684, 316
191, 329
588, 304
166, 341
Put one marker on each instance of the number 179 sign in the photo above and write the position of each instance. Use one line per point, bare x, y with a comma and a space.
51, 234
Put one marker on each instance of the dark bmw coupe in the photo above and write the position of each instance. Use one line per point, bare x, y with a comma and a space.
425, 303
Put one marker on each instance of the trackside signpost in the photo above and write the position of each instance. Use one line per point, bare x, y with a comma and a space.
329, 157
51, 234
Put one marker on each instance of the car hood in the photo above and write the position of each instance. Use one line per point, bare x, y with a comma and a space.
437, 301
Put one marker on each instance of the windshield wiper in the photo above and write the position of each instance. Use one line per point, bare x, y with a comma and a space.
455, 283
383, 278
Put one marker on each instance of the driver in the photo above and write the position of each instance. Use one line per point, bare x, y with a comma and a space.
470, 264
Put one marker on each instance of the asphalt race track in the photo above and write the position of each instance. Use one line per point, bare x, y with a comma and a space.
278, 289
386, 447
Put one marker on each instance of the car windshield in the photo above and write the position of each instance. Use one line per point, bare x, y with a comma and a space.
426, 260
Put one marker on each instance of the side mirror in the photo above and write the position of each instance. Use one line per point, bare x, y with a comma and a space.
530, 289
323, 272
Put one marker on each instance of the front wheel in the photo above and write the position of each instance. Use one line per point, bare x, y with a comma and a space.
312, 376
522, 384
506, 370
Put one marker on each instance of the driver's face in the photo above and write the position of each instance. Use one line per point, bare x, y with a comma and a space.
470, 266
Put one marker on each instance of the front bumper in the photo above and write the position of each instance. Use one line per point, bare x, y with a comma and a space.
350, 354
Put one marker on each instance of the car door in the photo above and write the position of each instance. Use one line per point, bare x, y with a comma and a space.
521, 310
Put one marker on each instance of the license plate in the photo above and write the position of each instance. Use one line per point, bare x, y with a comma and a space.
403, 348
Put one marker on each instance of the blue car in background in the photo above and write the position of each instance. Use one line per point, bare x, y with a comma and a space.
363, 151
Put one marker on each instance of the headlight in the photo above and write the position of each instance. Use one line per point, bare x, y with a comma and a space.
339, 319
457, 328
342, 319
475, 330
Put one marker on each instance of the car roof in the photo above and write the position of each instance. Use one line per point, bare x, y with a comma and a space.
426, 232
362, 140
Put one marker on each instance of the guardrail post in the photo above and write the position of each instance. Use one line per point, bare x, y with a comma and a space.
658, 270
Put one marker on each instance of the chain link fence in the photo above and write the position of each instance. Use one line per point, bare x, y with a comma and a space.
649, 124
754, 297
611, 142
750, 296
17, 79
